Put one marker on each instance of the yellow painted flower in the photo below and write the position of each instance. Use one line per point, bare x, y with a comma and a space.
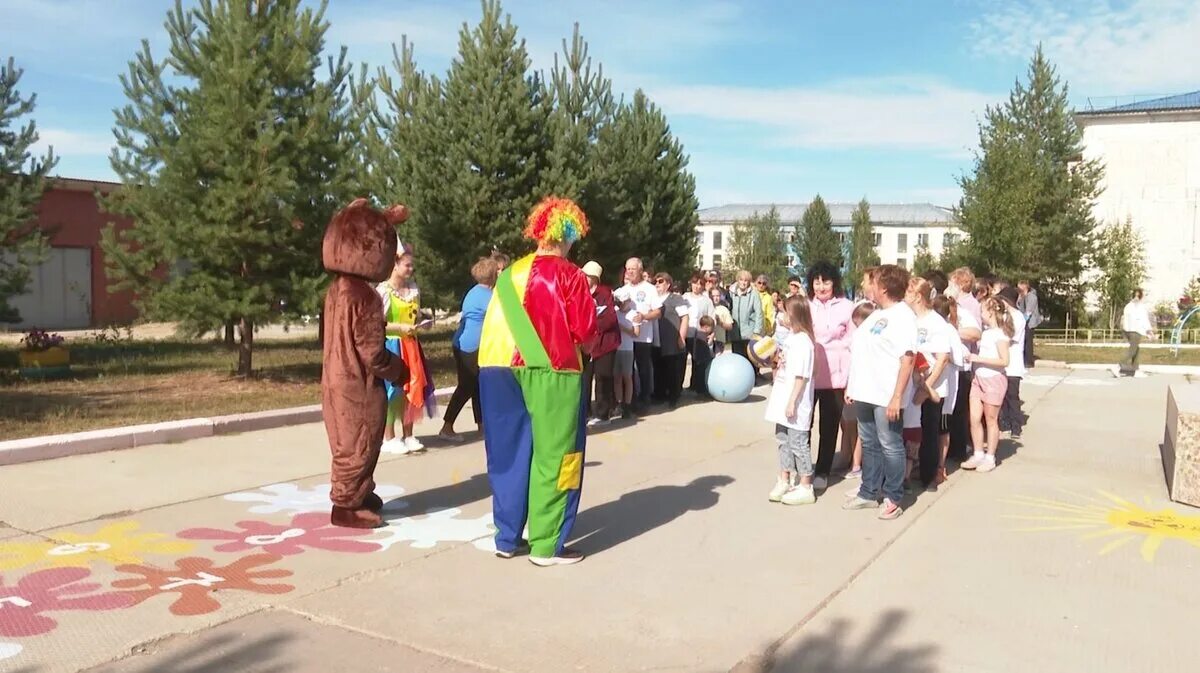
115, 544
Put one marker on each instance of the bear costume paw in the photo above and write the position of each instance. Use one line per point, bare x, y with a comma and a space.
346, 517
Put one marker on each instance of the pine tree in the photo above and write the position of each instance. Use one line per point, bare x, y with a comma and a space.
1120, 258
232, 170
646, 198
492, 131
22, 183
1027, 206
862, 245
757, 245
817, 242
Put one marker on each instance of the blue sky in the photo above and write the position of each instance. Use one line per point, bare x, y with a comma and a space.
773, 101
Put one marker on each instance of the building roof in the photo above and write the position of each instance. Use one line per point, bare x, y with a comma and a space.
82, 185
1183, 101
840, 213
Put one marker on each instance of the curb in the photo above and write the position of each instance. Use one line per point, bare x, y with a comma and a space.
32, 449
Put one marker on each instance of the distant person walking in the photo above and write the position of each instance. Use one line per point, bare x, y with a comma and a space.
1027, 304
1135, 322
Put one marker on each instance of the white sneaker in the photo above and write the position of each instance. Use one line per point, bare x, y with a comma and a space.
799, 495
395, 445
974, 461
820, 483
987, 464
594, 422
413, 444
781, 486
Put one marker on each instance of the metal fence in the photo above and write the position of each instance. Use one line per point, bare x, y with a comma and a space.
1086, 335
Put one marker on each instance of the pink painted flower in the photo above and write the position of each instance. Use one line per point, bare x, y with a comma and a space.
311, 530
53, 590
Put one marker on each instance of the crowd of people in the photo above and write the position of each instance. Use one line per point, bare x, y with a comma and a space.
898, 375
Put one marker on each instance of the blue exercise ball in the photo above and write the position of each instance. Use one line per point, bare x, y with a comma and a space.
730, 378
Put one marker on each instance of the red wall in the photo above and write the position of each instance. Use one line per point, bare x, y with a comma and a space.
70, 213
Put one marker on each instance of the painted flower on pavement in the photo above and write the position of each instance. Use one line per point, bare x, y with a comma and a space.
115, 544
9, 650
293, 499
196, 579
22, 606
426, 531
311, 530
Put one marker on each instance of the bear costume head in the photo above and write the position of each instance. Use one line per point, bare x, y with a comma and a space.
361, 241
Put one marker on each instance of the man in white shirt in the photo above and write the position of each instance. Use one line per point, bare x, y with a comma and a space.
881, 365
648, 305
1135, 322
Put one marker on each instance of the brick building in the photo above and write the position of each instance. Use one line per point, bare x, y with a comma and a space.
70, 290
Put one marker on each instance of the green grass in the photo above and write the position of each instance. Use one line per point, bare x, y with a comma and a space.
127, 382
1084, 354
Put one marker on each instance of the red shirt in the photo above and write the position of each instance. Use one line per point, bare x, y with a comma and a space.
561, 308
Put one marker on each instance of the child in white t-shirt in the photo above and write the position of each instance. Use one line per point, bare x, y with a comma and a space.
990, 383
948, 309
790, 407
630, 324
930, 377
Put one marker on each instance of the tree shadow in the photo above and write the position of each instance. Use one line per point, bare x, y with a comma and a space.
442, 497
605, 526
831, 651
213, 654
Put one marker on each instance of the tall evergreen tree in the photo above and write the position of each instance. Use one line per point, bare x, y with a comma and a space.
233, 169
817, 242
22, 183
1027, 206
645, 195
862, 245
757, 245
1120, 258
493, 135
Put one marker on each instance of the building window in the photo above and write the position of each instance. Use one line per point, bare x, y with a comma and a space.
717, 241
876, 240
923, 241
949, 239
791, 262
717, 261
901, 243
901, 262
700, 238
841, 237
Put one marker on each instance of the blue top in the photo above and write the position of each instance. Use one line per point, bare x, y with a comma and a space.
470, 326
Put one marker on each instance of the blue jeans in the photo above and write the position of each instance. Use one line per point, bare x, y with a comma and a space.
882, 453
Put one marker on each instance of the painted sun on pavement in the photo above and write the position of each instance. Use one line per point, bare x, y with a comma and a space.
1114, 521
115, 544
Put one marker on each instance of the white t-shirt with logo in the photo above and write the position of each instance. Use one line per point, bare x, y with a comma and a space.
875, 351
933, 339
989, 348
1016, 358
645, 299
957, 364
797, 363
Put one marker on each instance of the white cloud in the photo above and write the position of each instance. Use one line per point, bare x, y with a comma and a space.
1102, 48
892, 112
73, 143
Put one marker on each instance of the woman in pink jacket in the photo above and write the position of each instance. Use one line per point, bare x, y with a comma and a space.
832, 327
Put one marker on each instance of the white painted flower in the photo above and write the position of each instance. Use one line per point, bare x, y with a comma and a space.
426, 530
9, 650
293, 499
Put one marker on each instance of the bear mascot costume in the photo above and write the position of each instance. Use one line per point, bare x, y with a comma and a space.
359, 248
531, 388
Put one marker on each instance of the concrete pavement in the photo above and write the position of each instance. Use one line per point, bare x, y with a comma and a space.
212, 555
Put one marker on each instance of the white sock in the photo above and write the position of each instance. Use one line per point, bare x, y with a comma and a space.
979, 454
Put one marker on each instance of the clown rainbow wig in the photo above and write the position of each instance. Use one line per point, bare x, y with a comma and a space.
556, 220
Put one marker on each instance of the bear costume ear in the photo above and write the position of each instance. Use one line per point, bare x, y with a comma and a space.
396, 214
360, 241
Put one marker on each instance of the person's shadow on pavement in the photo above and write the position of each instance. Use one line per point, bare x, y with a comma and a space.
605, 526
460, 494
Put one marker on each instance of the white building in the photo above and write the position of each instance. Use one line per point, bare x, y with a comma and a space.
900, 228
1151, 156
